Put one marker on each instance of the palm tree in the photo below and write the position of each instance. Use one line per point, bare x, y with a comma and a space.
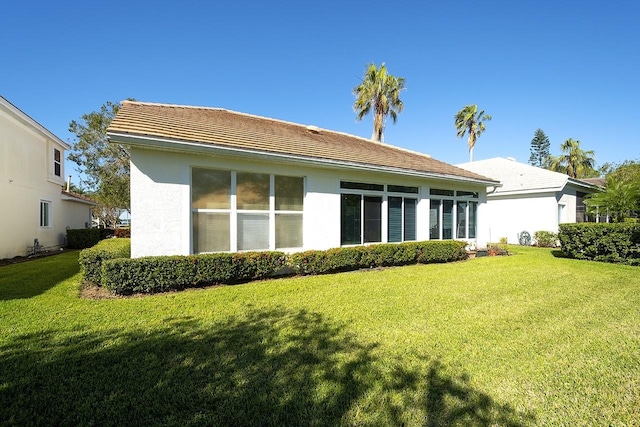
379, 91
470, 120
574, 161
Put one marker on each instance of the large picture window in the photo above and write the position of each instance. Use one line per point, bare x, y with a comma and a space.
361, 215
241, 211
453, 214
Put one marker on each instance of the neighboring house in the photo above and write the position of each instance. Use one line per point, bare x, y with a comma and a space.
208, 180
530, 199
31, 186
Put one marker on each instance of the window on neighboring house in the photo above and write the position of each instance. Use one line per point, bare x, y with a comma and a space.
45, 213
453, 214
245, 211
57, 163
561, 214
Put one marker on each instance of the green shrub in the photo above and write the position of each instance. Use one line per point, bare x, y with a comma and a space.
382, 255
545, 239
165, 273
82, 238
91, 259
618, 242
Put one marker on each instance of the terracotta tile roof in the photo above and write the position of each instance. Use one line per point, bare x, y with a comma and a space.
229, 129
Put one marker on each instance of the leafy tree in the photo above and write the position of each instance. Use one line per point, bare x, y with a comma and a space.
539, 149
380, 92
621, 197
620, 200
574, 161
104, 166
470, 120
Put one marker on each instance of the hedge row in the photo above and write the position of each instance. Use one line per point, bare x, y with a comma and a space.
82, 238
619, 242
165, 273
383, 255
109, 264
92, 259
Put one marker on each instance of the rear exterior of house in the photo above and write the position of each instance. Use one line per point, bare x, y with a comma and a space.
530, 199
31, 184
211, 180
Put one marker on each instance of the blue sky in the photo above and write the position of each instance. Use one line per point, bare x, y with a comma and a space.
570, 68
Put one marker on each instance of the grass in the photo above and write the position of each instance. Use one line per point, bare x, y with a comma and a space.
529, 339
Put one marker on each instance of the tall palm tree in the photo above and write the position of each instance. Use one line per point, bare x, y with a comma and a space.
470, 120
379, 91
574, 161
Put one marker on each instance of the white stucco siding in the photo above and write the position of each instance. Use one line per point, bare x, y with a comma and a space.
161, 213
26, 178
508, 216
159, 204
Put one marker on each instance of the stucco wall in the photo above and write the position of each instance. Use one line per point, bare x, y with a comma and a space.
509, 215
26, 177
161, 199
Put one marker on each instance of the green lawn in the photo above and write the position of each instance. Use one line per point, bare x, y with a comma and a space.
529, 339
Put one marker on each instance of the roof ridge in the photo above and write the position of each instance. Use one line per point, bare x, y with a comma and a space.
255, 116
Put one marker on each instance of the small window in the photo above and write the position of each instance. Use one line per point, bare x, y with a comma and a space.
437, 192
402, 189
361, 186
468, 194
45, 213
57, 165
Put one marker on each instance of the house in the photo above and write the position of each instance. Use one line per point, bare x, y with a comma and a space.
530, 199
36, 204
209, 179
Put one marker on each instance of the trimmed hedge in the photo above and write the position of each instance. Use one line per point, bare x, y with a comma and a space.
91, 259
165, 273
382, 255
618, 242
109, 264
82, 238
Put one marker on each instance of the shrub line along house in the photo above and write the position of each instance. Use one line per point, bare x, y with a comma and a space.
211, 180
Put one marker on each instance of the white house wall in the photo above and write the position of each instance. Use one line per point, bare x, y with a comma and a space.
161, 199
26, 178
508, 216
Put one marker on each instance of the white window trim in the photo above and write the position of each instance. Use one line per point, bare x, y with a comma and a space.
233, 212
49, 209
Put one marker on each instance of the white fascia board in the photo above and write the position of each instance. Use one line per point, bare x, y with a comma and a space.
27, 120
195, 147
525, 192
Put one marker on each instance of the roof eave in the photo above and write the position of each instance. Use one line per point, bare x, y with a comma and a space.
26, 119
198, 147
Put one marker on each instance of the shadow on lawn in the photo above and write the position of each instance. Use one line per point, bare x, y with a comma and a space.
274, 367
34, 277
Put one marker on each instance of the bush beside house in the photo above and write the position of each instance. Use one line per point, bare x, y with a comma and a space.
109, 264
92, 259
617, 242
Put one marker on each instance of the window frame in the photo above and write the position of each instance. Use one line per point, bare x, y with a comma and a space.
235, 214
459, 198
46, 219
367, 192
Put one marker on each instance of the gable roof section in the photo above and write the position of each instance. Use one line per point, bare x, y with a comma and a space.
144, 124
25, 119
76, 197
520, 178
